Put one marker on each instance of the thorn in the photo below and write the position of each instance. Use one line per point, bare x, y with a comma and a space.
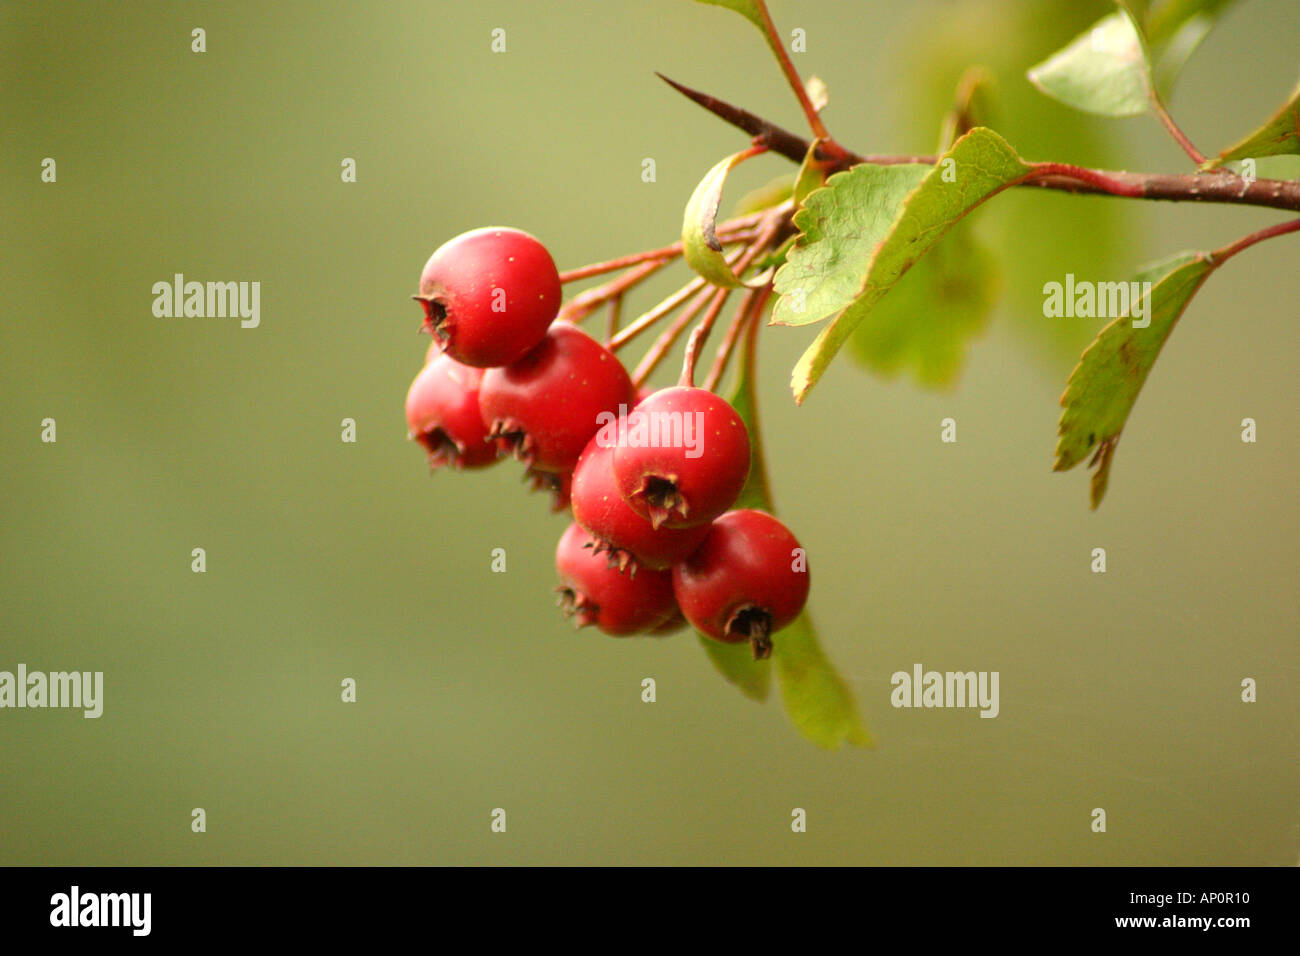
767, 134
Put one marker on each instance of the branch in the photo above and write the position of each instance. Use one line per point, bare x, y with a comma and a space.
792, 76
1218, 187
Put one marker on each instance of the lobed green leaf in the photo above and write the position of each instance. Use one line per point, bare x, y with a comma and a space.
1111, 372
840, 226
860, 238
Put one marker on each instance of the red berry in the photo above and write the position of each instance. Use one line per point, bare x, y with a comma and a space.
685, 458
748, 580
442, 413
545, 407
594, 593
489, 295
624, 535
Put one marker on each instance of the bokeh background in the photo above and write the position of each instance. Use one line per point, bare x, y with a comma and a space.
329, 560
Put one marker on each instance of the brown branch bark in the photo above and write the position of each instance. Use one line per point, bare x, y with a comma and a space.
1214, 187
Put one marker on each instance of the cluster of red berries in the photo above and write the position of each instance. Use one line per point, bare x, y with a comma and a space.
649, 476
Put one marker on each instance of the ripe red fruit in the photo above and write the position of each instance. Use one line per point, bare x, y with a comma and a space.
625, 536
544, 408
442, 413
594, 593
489, 295
685, 458
748, 580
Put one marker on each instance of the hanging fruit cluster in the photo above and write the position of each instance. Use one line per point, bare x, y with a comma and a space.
651, 476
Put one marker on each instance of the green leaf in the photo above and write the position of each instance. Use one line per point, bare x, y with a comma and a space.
818, 701
851, 256
736, 663
749, 9
840, 225
923, 325
1103, 70
1101, 391
700, 243
1279, 135
816, 698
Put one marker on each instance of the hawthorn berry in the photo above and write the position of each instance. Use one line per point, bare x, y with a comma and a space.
489, 295
625, 536
685, 458
545, 407
442, 413
593, 593
746, 581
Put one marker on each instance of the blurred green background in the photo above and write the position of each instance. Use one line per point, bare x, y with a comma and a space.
329, 560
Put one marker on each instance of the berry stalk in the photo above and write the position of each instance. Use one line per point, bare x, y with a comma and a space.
668, 339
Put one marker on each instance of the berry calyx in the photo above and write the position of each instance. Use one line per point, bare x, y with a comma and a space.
674, 623
559, 484
628, 540
593, 593
442, 414
489, 295
746, 581
545, 407
685, 457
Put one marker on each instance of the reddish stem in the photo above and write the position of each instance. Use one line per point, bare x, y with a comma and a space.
725, 229
1091, 177
615, 313
668, 338
766, 233
792, 77
648, 319
750, 309
588, 301
1179, 136
699, 335
1220, 256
